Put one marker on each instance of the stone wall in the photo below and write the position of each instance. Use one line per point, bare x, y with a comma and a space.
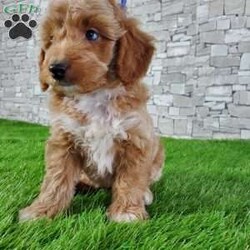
199, 78
20, 94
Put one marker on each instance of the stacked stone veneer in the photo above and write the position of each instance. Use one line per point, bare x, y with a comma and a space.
199, 78
20, 94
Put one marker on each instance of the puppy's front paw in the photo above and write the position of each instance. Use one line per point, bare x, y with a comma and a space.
123, 217
27, 214
148, 197
32, 212
126, 215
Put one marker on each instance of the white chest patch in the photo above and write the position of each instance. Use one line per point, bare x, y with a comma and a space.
104, 126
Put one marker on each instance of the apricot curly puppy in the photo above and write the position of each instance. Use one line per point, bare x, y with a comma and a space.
92, 60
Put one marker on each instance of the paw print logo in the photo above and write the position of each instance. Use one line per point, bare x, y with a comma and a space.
20, 26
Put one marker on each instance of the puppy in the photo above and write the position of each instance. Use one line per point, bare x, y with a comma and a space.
92, 60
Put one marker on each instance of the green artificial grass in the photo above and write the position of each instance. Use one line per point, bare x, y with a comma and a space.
201, 202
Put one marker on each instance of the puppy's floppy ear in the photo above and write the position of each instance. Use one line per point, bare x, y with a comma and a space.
134, 54
44, 86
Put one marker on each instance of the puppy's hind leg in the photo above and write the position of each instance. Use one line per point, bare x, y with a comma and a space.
157, 164
156, 173
57, 190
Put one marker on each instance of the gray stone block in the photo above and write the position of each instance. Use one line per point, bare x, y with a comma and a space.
198, 100
204, 81
219, 91
157, 17
187, 111
227, 99
222, 71
181, 38
180, 126
226, 79
234, 7
157, 78
223, 136
201, 60
173, 78
245, 62
236, 36
211, 123
242, 97
171, 9
173, 111
166, 126
203, 50
244, 47
216, 8
210, 26
202, 13
239, 87
213, 37
238, 22
247, 12
170, 23
245, 134
223, 24
184, 20
236, 123
163, 100
234, 50
206, 71
202, 112
248, 22
193, 29
244, 80
182, 101
177, 89
152, 109
150, 8
189, 89
219, 50
162, 35
224, 62
155, 120
218, 106
199, 131
178, 49
239, 111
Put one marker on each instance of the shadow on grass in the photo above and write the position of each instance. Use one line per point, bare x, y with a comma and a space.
89, 200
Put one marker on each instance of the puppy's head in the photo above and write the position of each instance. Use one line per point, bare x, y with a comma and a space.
89, 44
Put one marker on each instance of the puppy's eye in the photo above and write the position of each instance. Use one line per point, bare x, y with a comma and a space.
92, 35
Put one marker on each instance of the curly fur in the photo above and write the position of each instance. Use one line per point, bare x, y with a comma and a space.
101, 132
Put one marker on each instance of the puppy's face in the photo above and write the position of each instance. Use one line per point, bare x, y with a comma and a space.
86, 43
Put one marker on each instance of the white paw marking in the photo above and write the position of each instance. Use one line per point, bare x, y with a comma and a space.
123, 217
26, 216
148, 197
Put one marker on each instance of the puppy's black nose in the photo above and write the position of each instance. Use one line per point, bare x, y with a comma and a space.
58, 70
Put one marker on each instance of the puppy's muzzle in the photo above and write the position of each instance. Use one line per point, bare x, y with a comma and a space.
58, 71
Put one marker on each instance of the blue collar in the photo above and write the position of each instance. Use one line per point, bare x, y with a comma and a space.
123, 3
